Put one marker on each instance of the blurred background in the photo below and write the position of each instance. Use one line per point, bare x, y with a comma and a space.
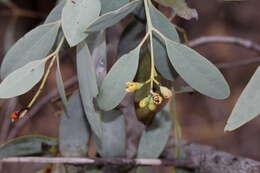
202, 118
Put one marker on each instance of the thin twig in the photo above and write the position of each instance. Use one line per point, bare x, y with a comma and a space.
225, 39
38, 105
101, 161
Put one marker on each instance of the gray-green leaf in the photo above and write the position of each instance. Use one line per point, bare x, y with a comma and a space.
162, 62
197, 71
74, 129
130, 38
27, 145
112, 89
88, 86
76, 16
110, 5
60, 85
113, 141
23, 79
161, 58
55, 13
155, 137
34, 45
162, 24
98, 48
248, 104
113, 17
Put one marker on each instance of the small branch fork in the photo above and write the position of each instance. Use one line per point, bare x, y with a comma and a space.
101, 161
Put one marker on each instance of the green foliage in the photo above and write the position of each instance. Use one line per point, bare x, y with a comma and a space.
130, 37
113, 17
197, 71
23, 79
155, 136
28, 145
112, 89
144, 64
55, 14
88, 86
34, 45
111, 5
74, 130
160, 53
60, 85
113, 141
247, 106
76, 17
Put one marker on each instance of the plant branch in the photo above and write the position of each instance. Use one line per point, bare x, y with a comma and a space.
101, 161
54, 56
248, 44
204, 159
37, 106
210, 160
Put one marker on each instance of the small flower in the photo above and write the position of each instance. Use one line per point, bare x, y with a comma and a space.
151, 106
166, 93
156, 98
133, 86
144, 102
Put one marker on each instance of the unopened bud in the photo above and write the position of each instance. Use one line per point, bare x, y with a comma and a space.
133, 86
166, 92
151, 106
144, 102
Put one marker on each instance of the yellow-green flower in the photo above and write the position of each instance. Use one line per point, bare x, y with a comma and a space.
166, 93
133, 86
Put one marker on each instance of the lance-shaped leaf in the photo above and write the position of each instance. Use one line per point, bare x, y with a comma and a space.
248, 104
113, 141
162, 62
88, 86
113, 17
112, 89
76, 16
28, 145
159, 20
55, 13
160, 54
98, 48
130, 38
60, 85
34, 45
74, 129
23, 79
197, 71
180, 8
111, 5
155, 137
